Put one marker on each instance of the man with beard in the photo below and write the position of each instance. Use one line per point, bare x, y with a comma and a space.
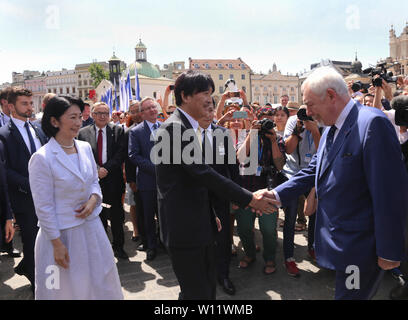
21, 139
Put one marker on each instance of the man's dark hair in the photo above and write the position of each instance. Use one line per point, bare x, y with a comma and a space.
56, 107
17, 92
190, 83
5, 92
368, 95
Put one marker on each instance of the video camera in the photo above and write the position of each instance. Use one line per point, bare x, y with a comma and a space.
400, 105
381, 70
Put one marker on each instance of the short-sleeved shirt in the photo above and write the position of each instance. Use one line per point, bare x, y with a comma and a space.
301, 156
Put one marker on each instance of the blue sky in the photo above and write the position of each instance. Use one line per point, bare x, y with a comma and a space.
50, 35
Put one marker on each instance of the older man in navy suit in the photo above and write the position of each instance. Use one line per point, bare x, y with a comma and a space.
140, 146
21, 139
359, 223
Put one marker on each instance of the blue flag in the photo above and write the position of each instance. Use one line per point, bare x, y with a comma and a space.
137, 85
116, 95
129, 87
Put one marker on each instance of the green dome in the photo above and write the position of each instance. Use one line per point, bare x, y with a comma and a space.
144, 68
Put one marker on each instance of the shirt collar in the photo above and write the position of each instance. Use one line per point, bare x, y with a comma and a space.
343, 115
193, 122
97, 129
150, 124
19, 123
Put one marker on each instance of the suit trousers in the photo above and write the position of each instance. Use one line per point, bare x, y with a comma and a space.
369, 281
195, 271
149, 201
28, 226
3, 243
116, 216
140, 217
223, 244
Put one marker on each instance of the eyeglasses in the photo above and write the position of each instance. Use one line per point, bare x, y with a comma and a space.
101, 114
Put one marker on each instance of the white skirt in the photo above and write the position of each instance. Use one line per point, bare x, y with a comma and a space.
92, 273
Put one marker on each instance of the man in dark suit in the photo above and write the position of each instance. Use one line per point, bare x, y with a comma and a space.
140, 146
187, 224
21, 139
136, 209
4, 120
87, 120
220, 206
359, 222
107, 142
6, 216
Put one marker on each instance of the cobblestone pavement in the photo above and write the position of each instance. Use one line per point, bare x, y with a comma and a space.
155, 280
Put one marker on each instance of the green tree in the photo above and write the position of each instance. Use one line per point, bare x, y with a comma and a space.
98, 73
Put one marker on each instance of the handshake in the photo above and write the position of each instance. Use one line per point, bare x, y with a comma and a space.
264, 202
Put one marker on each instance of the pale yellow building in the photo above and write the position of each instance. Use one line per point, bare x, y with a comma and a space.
399, 51
268, 88
61, 82
221, 70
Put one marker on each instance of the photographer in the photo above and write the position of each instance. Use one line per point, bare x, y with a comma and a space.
229, 94
302, 137
401, 131
270, 161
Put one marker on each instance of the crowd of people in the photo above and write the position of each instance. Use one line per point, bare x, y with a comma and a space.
330, 164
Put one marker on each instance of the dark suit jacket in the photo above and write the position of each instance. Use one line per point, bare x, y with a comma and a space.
113, 184
362, 192
5, 207
130, 168
184, 207
139, 154
17, 156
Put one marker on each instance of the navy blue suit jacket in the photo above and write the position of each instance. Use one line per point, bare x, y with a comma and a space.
16, 156
362, 193
140, 146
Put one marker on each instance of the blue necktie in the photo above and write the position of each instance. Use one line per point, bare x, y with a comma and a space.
30, 137
329, 139
155, 126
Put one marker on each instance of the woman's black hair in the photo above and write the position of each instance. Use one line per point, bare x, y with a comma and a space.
282, 108
190, 83
56, 107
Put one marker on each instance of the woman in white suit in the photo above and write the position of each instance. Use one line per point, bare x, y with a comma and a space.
73, 256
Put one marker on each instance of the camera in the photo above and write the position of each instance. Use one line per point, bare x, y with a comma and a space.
266, 125
240, 115
270, 172
234, 94
302, 116
358, 85
172, 87
400, 105
381, 70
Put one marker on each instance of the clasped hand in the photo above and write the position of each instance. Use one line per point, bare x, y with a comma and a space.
264, 202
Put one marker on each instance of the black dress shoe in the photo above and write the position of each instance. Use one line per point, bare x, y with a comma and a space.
141, 247
120, 253
227, 286
20, 271
150, 254
13, 253
400, 292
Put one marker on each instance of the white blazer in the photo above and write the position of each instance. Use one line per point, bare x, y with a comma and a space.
59, 188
